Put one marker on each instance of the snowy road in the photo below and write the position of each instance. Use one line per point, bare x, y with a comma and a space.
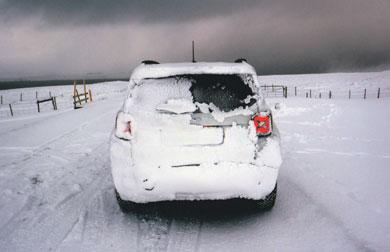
57, 192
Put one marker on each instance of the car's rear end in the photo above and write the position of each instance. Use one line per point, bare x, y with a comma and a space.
198, 132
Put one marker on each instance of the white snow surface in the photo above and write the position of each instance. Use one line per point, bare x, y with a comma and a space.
177, 106
333, 191
220, 116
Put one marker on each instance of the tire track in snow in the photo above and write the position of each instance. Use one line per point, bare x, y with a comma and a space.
171, 226
70, 230
359, 242
17, 218
33, 165
168, 226
38, 150
66, 199
185, 235
102, 226
34, 192
53, 225
153, 230
50, 219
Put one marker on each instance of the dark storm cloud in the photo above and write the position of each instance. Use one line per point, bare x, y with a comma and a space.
290, 36
91, 12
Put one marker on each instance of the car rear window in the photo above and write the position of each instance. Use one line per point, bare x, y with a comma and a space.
225, 91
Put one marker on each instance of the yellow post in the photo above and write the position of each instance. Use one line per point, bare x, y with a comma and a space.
78, 96
85, 92
74, 88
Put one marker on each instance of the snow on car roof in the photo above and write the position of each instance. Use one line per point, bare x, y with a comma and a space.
169, 69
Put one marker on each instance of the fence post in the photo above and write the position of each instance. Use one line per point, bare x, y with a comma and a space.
307, 94
349, 94
365, 93
78, 97
39, 111
379, 92
55, 103
74, 87
90, 95
310, 93
320, 95
21, 97
74, 94
330, 94
1, 100
10, 109
295, 91
285, 93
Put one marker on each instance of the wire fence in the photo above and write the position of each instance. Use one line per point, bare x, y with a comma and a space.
24, 102
324, 93
10, 107
274, 90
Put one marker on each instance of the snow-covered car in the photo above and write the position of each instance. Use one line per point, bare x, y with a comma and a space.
194, 131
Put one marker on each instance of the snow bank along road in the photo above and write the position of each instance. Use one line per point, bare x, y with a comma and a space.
56, 191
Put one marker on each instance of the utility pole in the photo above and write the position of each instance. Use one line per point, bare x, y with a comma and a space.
193, 51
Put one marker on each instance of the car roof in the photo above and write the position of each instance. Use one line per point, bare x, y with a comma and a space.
145, 71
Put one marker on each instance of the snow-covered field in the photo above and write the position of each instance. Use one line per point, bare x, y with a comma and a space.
57, 191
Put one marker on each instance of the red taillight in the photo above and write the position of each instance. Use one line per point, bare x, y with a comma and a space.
124, 127
263, 123
128, 128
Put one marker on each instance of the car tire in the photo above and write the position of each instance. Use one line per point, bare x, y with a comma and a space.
124, 205
268, 202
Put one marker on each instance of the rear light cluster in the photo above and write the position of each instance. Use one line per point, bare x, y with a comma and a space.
263, 123
124, 126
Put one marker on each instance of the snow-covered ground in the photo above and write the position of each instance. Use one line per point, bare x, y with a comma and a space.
57, 191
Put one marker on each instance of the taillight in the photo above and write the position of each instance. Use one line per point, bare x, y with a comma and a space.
124, 126
263, 123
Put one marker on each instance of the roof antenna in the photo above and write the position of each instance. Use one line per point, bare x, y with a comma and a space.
193, 51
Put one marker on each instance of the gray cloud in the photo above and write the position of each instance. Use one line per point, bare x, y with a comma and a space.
92, 12
296, 36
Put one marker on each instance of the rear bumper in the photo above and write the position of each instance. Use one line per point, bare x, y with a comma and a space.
224, 180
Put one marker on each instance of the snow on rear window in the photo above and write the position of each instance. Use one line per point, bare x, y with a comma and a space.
225, 91
150, 93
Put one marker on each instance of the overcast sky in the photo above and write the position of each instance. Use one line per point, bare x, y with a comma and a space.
91, 37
